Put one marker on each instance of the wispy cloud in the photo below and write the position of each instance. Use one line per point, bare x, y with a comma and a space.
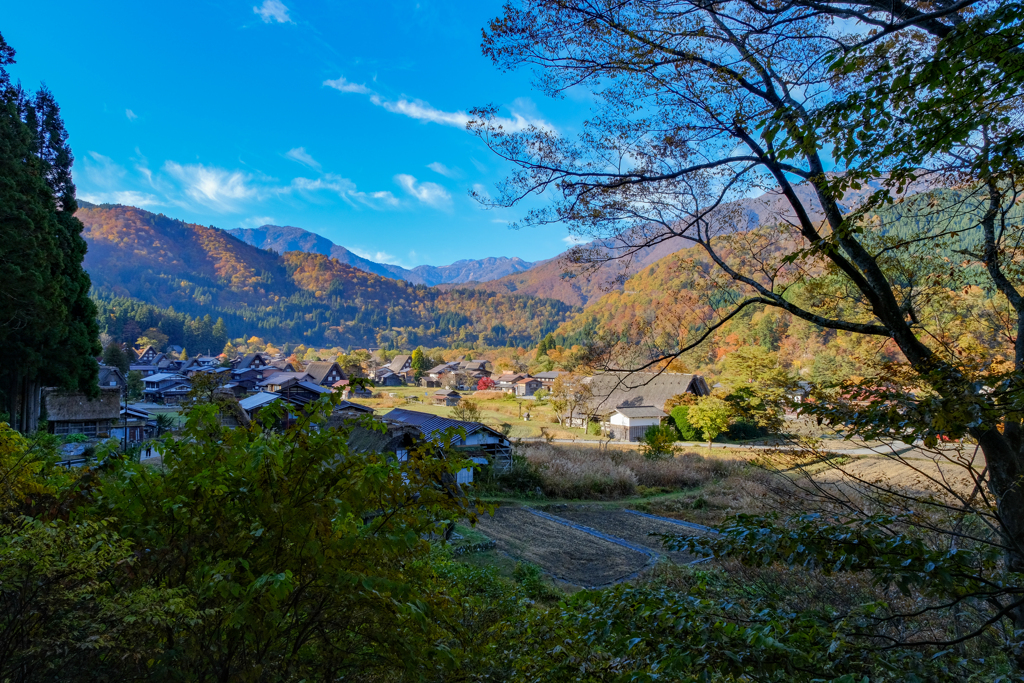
126, 197
228, 191
257, 221
431, 194
522, 118
273, 10
300, 155
346, 190
130, 114
438, 167
215, 188
573, 240
376, 256
341, 84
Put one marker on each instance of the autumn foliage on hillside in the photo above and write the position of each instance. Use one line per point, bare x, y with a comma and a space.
153, 271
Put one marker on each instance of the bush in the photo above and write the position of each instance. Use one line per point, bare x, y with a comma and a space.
686, 431
743, 429
659, 442
521, 476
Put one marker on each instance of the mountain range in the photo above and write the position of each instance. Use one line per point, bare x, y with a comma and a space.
288, 238
150, 270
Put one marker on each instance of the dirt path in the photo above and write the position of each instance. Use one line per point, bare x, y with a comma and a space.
567, 554
632, 527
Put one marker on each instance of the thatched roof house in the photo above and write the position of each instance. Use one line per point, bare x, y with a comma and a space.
611, 390
74, 413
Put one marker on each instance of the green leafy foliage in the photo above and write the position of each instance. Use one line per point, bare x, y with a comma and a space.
681, 420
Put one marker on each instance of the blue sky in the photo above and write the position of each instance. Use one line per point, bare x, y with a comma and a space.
344, 118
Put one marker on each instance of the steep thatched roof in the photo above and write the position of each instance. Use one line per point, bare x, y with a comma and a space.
620, 389
397, 435
67, 406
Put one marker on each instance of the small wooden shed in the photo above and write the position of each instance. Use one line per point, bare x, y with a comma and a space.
445, 398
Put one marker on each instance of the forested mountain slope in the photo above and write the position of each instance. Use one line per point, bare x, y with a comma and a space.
288, 238
669, 300
555, 278
150, 270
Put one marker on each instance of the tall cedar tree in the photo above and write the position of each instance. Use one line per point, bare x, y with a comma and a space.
50, 333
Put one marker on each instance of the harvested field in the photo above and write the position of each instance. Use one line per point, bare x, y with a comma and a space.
567, 554
633, 528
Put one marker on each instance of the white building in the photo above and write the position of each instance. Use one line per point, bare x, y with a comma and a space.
631, 423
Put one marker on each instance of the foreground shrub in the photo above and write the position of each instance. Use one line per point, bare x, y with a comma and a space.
303, 557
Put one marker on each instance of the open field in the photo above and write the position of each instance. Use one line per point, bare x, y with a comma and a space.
494, 411
597, 489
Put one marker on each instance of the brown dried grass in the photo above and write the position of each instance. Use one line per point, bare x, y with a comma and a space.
570, 471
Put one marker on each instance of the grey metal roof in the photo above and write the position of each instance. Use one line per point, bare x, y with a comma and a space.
280, 377
433, 426
549, 375
163, 376
313, 386
258, 400
640, 411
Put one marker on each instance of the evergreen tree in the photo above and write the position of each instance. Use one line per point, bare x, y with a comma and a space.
115, 356
49, 331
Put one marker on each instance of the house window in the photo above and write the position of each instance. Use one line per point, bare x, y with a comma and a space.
87, 428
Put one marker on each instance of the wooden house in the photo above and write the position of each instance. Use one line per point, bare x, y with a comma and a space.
611, 390
137, 422
146, 356
472, 439
528, 386
277, 380
446, 398
74, 413
166, 387
547, 379
324, 372
111, 377
348, 392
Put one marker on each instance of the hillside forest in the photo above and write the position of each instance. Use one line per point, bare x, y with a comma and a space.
182, 278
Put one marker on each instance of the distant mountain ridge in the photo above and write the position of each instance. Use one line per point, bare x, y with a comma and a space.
552, 278
284, 238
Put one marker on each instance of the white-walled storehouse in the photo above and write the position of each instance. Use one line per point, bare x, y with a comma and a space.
631, 423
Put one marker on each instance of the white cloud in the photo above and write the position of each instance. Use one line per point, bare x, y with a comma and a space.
130, 114
438, 167
345, 189
300, 155
341, 84
126, 197
273, 10
431, 194
376, 256
216, 188
480, 167
573, 240
257, 221
422, 111
481, 191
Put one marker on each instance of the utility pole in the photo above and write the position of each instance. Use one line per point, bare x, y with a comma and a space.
124, 419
